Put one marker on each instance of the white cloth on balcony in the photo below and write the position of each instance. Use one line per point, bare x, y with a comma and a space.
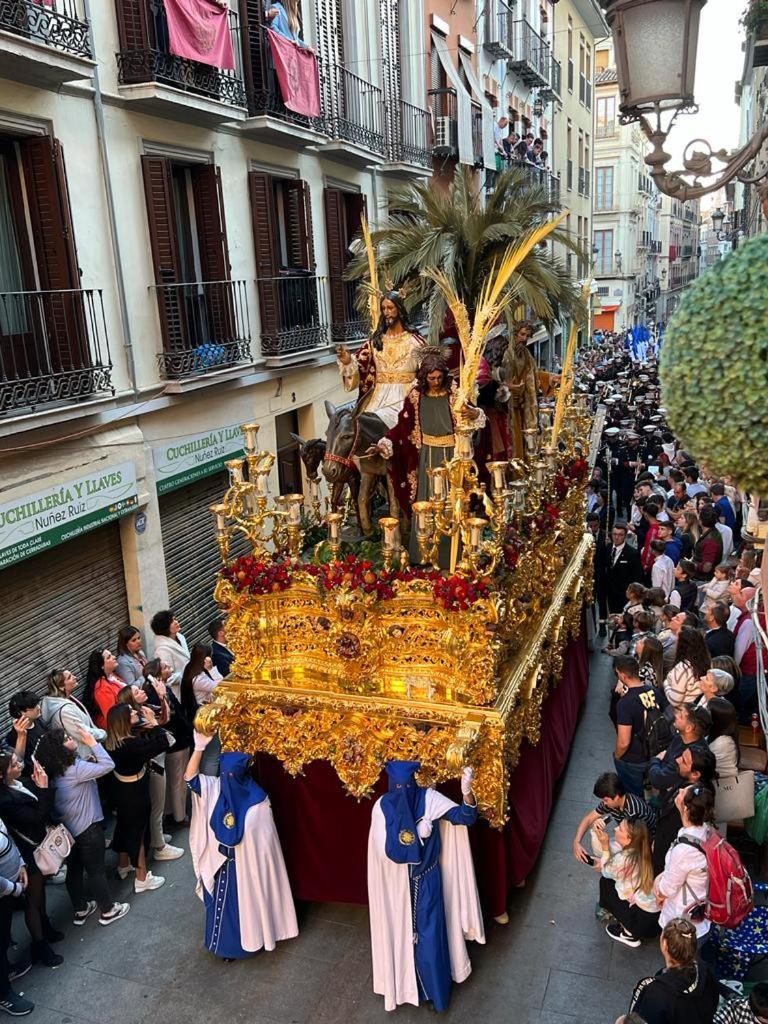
463, 100
489, 122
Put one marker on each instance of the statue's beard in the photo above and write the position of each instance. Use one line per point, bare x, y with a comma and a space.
391, 321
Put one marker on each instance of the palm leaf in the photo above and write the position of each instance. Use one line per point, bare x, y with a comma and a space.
373, 277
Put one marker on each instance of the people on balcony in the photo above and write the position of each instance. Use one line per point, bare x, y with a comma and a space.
283, 18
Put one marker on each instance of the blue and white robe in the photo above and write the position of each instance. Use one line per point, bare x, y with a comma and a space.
245, 889
422, 914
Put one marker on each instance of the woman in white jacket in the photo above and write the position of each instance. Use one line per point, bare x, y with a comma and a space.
61, 710
170, 647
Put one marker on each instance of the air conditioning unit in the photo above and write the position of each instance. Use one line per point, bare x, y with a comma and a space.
445, 135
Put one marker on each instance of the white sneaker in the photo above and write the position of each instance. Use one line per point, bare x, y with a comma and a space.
124, 872
118, 910
150, 882
168, 852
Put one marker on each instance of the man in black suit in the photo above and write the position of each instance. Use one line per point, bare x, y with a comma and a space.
221, 656
622, 568
718, 638
594, 527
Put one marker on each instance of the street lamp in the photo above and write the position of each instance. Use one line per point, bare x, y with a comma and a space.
717, 221
655, 43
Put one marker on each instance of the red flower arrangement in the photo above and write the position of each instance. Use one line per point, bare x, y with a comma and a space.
259, 577
514, 545
354, 574
577, 470
561, 485
458, 593
545, 521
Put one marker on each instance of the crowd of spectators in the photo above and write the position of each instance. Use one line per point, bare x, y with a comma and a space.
675, 575
92, 787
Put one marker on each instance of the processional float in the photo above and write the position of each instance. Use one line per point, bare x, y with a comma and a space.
359, 660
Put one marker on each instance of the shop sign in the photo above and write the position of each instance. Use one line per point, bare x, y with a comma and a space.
61, 512
186, 459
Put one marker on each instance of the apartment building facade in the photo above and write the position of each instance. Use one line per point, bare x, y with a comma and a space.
626, 239
680, 249
172, 245
751, 201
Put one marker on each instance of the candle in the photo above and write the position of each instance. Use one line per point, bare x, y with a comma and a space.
539, 469
550, 458
498, 471
518, 490
220, 511
250, 432
294, 503
333, 519
314, 488
235, 467
262, 487
437, 479
476, 527
530, 436
421, 510
389, 525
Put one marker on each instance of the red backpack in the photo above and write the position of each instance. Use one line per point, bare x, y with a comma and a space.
729, 898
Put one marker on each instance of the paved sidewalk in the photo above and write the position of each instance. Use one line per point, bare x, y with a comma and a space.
553, 963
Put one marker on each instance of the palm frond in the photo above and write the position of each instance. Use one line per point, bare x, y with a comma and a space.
373, 277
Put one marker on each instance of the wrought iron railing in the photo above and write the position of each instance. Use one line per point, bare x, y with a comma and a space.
409, 136
353, 108
354, 325
262, 87
588, 95
570, 74
445, 119
607, 130
155, 63
293, 313
569, 179
53, 348
531, 55
581, 181
205, 327
60, 24
587, 181
499, 31
582, 89
553, 186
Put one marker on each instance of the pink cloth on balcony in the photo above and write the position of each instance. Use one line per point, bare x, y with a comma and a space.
297, 75
199, 30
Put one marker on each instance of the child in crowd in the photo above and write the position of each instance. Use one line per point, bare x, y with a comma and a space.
717, 589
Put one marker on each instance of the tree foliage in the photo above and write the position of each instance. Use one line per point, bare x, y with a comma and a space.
714, 367
463, 234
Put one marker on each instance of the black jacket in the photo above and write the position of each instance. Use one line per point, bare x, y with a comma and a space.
618, 577
222, 658
22, 814
680, 995
720, 641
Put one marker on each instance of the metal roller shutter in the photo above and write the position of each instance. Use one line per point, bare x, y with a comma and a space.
192, 554
56, 607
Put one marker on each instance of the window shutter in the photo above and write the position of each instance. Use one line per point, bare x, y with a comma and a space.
211, 228
214, 252
265, 242
298, 226
133, 25
255, 57
55, 253
165, 250
337, 252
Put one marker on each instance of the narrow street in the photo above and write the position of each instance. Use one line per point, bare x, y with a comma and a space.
553, 963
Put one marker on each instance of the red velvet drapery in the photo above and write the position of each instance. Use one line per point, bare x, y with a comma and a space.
324, 832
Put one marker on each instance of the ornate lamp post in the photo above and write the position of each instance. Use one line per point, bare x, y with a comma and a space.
655, 43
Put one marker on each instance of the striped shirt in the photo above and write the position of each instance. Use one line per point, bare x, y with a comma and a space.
634, 807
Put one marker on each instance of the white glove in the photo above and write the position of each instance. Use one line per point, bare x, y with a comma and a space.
201, 741
466, 780
424, 828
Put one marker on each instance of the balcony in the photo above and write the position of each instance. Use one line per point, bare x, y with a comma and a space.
553, 188
205, 327
587, 182
499, 32
446, 124
44, 44
269, 120
294, 323
570, 75
354, 115
409, 143
531, 56
53, 349
158, 82
582, 185
552, 91
609, 130
569, 177
611, 268
354, 326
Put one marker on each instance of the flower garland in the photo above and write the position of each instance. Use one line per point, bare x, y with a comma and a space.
459, 593
354, 574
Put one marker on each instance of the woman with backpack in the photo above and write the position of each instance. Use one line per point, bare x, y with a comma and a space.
682, 888
626, 885
683, 991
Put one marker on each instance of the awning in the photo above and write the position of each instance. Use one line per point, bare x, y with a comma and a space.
489, 147
609, 309
463, 100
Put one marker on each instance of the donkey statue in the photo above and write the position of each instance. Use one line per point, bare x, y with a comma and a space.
348, 438
312, 453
